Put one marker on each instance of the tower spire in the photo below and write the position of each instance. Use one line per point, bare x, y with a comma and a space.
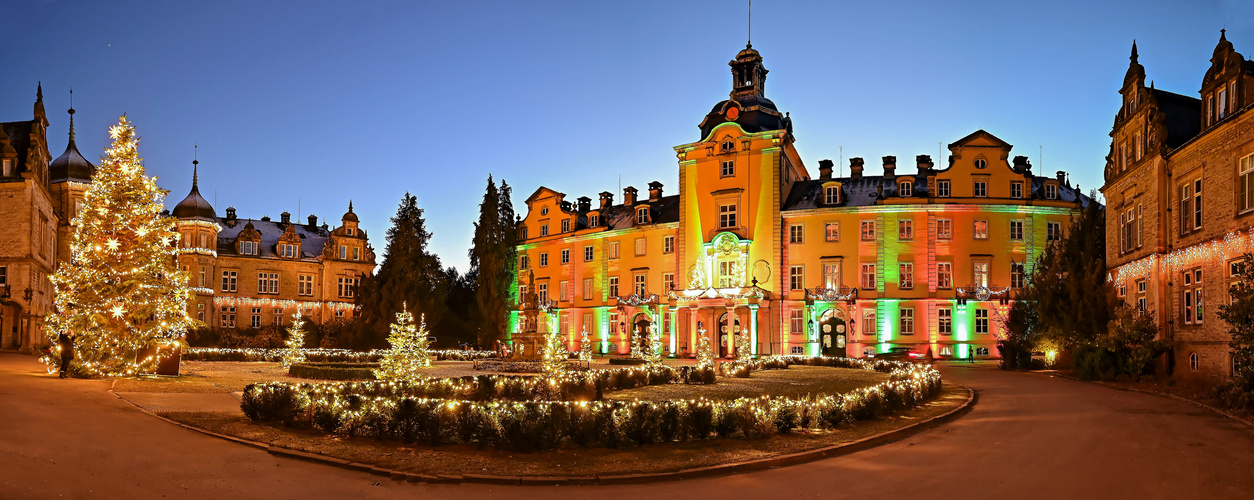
195, 165
1133, 57
71, 111
749, 42
350, 206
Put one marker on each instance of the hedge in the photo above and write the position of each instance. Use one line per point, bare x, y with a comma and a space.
438, 412
318, 355
334, 371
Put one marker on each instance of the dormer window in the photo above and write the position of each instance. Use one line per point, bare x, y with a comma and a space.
349, 231
594, 220
248, 248
904, 189
642, 215
1051, 192
6, 165
565, 225
287, 250
1223, 102
728, 146
942, 188
831, 195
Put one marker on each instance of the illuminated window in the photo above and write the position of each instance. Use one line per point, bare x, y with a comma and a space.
796, 321
795, 278
566, 256
944, 229
668, 244
944, 275
542, 292
905, 229
356, 253
1195, 362
729, 168
831, 276
981, 230
202, 277
228, 316
945, 321
1140, 295
200, 312
6, 167
907, 321
1192, 295
868, 276
981, 321
905, 275
980, 189
1016, 189
796, 233
979, 273
613, 288
276, 316
868, 322
668, 282
942, 188
1016, 229
831, 231
868, 230
727, 216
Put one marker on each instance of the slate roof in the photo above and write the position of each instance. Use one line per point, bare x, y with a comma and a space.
663, 211
313, 239
864, 191
1183, 116
71, 165
19, 138
194, 206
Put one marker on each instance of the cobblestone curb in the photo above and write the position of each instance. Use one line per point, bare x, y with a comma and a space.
713, 470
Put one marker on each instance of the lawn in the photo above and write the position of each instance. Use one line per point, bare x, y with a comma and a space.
796, 381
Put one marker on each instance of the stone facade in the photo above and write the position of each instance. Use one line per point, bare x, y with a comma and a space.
1194, 224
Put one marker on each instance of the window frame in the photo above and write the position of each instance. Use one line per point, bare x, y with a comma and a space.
943, 188
979, 188
945, 275
831, 231
905, 320
867, 279
1016, 229
1016, 189
796, 277
944, 229
796, 234
905, 275
728, 215
727, 168
867, 230
979, 229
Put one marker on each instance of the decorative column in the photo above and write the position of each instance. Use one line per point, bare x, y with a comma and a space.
753, 328
692, 329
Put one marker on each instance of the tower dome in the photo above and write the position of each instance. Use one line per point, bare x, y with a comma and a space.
194, 206
71, 165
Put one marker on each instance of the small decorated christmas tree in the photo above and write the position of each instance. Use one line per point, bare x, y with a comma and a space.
408, 349
744, 352
585, 347
654, 352
705, 352
555, 354
294, 347
121, 294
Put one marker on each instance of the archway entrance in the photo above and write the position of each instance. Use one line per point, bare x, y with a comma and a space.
727, 336
833, 334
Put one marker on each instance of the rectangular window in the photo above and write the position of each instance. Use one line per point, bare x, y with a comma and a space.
343, 252
524, 262
905, 275
1139, 227
981, 321
523, 235
868, 322
347, 287
304, 284
795, 278
727, 216
831, 276
942, 188
229, 280
1197, 204
593, 220
907, 321
905, 230
868, 230
831, 195
356, 253
1138, 150
728, 168
945, 321
1016, 189
979, 273
668, 282
797, 321
202, 276
1051, 191
200, 312
1140, 294
944, 275
565, 225
668, 244
542, 292
562, 289
796, 233
544, 259
639, 247
1054, 231
1016, 230
868, 276
1222, 101
613, 323
1016, 275
587, 289
831, 231
273, 278
4, 275
944, 229
638, 284
1186, 208
613, 249
256, 318
980, 189
587, 253
642, 215
228, 316
544, 230
613, 286
566, 256
981, 230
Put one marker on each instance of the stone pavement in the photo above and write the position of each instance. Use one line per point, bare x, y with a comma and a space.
185, 402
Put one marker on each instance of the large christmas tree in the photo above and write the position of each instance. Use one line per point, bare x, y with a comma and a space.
121, 295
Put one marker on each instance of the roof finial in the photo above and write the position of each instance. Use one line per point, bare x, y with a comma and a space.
71, 111
1223, 37
39, 91
350, 206
195, 164
749, 42
1134, 55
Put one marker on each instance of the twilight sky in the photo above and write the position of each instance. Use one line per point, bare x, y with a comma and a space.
320, 102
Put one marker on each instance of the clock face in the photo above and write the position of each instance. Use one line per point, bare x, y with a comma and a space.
733, 113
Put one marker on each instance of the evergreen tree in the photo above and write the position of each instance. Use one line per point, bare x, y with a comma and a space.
295, 345
122, 292
409, 274
1239, 315
554, 349
585, 346
492, 262
408, 351
459, 323
705, 352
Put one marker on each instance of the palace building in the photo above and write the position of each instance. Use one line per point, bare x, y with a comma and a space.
751, 250
256, 273
1180, 189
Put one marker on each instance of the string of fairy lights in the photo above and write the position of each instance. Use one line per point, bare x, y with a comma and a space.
255, 354
1230, 245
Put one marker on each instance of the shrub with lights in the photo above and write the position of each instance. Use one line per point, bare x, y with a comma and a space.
294, 351
319, 355
534, 413
121, 294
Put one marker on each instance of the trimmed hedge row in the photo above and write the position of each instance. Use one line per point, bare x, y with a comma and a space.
385, 411
319, 355
334, 371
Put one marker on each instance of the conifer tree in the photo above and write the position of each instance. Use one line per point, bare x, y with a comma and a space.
294, 351
705, 352
1239, 315
408, 351
585, 346
409, 273
492, 261
121, 293
554, 350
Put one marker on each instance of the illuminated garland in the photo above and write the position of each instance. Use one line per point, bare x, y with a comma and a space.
293, 352
832, 294
318, 354
220, 301
983, 292
636, 299
202, 223
1230, 245
198, 250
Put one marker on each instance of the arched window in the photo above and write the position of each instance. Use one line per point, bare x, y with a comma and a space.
904, 188
642, 215
1194, 362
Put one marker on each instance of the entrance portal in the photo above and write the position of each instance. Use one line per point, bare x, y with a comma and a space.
728, 337
832, 335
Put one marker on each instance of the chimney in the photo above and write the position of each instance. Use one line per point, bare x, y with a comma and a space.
925, 163
607, 199
265, 218
1022, 165
1062, 177
890, 166
629, 196
286, 217
585, 204
825, 169
655, 191
566, 206
855, 167
230, 213
313, 221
